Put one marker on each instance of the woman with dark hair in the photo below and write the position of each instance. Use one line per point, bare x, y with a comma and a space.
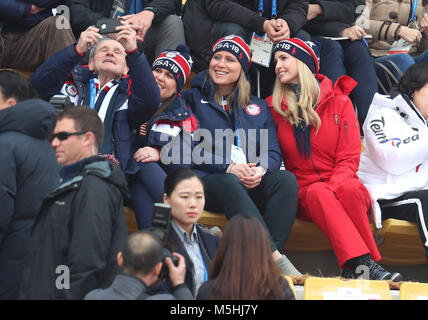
167, 128
238, 157
394, 164
243, 268
319, 136
184, 192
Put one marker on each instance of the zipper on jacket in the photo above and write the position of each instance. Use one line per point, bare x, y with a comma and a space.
346, 130
335, 119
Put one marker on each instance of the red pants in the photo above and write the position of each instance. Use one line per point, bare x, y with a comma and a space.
341, 216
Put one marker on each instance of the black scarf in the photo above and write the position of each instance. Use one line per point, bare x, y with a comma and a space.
302, 132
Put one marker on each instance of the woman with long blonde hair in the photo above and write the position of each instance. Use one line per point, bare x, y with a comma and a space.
319, 137
238, 156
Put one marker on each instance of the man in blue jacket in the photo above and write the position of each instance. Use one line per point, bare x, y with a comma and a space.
29, 34
104, 85
28, 172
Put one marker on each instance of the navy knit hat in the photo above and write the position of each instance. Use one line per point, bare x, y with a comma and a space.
306, 51
178, 62
236, 46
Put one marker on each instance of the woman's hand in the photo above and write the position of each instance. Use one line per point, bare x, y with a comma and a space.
424, 25
147, 154
409, 34
249, 174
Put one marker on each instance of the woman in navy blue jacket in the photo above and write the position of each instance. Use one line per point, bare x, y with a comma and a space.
238, 157
184, 192
164, 142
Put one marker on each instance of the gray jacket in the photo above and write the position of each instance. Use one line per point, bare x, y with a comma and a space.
128, 287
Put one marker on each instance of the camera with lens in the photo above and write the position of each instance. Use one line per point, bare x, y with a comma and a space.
161, 222
60, 102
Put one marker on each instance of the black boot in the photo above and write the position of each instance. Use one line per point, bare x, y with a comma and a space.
375, 271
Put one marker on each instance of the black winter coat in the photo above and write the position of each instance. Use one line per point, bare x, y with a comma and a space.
85, 13
28, 172
337, 15
199, 17
79, 231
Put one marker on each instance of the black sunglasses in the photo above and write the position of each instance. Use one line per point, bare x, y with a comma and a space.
61, 136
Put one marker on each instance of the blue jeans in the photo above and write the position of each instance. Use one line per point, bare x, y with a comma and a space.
353, 58
403, 62
146, 188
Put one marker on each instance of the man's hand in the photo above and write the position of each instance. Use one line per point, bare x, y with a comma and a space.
276, 29
409, 34
88, 39
127, 36
353, 33
314, 11
35, 9
176, 274
147, 154
140, 22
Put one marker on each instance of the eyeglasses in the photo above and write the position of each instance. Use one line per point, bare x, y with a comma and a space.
61, 136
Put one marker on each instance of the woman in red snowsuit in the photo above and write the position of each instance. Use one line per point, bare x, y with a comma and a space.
319, 136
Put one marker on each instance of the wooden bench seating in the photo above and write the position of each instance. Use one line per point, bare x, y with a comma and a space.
400, 242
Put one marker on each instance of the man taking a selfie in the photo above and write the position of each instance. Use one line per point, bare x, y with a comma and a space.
105, 86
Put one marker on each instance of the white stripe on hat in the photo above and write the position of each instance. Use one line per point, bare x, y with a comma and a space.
300, 47
176, 63
237, 43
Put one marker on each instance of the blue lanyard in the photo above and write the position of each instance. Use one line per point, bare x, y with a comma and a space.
205, 268
414, 6
238, 139
273, 7
93, 93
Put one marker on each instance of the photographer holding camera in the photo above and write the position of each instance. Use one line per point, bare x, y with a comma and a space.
141, 261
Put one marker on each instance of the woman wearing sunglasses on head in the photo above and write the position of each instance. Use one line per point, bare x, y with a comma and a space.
167, 128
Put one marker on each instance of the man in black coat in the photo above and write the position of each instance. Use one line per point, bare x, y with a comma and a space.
157, 22
81, 226
28, 172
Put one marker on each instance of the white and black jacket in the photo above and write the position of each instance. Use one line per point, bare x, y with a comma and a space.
395, 157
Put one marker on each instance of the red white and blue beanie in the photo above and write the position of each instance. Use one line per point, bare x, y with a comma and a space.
236, 46
178, 62
306, 51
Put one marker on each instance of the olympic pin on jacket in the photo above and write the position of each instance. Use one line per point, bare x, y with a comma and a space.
395, 157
